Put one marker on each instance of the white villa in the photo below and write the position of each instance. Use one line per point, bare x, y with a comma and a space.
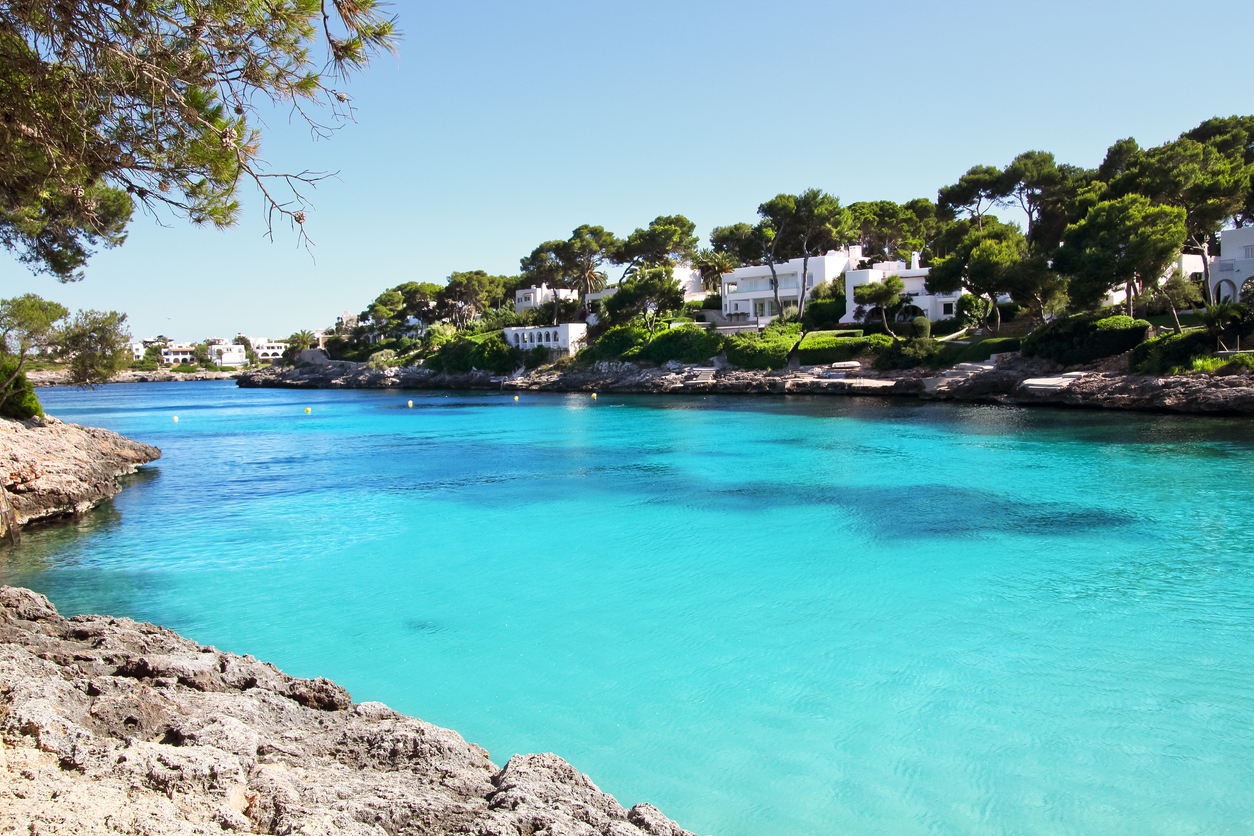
267, 350
567, 337
747, 293
176, 353
922, 303
534, 297
1235, 264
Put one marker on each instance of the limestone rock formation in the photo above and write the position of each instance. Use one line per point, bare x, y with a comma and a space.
112, 726
52, 469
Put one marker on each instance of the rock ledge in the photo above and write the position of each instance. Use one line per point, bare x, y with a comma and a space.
112, 726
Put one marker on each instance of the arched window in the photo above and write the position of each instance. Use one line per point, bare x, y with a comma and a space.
546, 336
515, 338
531, 336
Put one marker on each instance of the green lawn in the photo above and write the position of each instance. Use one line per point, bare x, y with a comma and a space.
1164, 320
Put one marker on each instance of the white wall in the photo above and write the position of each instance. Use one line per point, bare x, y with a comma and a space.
1235, 264
567, 337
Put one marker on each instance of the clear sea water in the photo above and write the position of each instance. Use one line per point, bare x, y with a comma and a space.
763, 615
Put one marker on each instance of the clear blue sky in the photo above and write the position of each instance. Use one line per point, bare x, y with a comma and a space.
501, 125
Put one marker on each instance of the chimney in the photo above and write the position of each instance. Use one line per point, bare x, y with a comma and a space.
914, 261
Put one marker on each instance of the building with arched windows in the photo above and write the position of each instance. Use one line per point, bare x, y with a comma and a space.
1235, 265
567, 338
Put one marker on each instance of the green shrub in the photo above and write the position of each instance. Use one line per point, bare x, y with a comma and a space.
944, 327
485, 352
381, 359
908, 353
145, 366
713, 302
185, 368
984, 349
922, 327
824, 313
1236, 365
689, 344
766, 350
1165, 354
21, 402
1010, 311
1084, 337
622, 342
536, 357
826, 349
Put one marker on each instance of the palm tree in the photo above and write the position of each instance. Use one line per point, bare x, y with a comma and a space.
301, 340
711, 267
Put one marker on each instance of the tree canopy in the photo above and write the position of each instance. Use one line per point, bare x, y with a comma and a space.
158, 101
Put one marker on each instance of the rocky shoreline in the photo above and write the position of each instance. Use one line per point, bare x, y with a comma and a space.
1011, 380
51, 469
112, 726
61, 378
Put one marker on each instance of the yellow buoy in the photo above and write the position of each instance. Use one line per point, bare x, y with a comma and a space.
307, 409
515, 398
176, 419
411, 404
594, 396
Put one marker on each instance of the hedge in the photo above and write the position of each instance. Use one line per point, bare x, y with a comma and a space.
688, 344
981, 351
824, 313
21, 403
908, 353
839, 349
1084, 338
1163, 354
766, 350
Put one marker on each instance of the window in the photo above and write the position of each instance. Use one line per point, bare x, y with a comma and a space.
1249, 252
947, 309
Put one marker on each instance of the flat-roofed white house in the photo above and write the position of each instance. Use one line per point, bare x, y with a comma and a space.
747, 292
921, 303
267, 350
1235, 264
137, 351
176, 353
568, 337
534, 297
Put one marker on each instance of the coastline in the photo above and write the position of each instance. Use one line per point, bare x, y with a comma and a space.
1011, 380
51, 469
134, 729
41, 379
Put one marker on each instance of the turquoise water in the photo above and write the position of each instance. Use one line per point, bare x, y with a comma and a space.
765, 616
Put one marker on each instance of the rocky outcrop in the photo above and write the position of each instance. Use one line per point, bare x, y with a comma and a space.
61, 378
112, 726
52, 469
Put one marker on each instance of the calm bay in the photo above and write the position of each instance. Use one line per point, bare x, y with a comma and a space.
764, 615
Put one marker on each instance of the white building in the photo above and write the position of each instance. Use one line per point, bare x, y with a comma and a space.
176, 353
534, 297
1235, 264
921, 302
223, 353
267, 350
747, 292
568, 337
137, 351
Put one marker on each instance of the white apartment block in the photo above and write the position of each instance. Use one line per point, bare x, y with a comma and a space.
1235, 264
534, 297
920, 302
748, 295
567, 337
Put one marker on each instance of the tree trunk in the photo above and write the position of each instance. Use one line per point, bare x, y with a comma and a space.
996, 313
1175, 317
1127, 302
1206, 294
801, 291
884, 317
5, 391
775, 284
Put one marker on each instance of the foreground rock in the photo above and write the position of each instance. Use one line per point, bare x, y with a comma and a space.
1006, 382
112, 726
52, 469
